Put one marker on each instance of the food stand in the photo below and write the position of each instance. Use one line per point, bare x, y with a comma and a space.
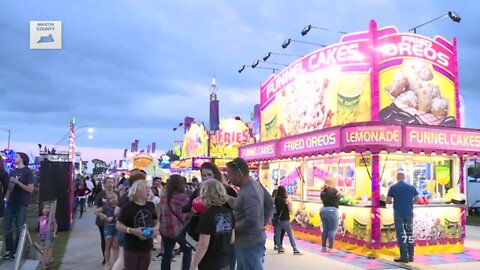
355, 112
200, 146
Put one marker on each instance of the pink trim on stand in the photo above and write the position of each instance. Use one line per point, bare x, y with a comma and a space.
455, 81
374, 83
462, 190
376, 230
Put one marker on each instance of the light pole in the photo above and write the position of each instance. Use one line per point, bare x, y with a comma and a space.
90, 131
9, 133
451, 14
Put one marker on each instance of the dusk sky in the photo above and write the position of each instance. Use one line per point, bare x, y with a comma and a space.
135, 69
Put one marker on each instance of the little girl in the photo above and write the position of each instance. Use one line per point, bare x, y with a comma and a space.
107, 214
45, 235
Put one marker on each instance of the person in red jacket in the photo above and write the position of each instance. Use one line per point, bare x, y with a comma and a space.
81, 193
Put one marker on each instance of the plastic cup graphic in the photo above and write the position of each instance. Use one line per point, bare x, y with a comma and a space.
349, 90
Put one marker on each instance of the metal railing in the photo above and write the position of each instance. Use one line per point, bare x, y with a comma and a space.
25, 235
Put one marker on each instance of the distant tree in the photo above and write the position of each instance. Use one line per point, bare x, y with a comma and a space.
100, 167
84, 166
172, 155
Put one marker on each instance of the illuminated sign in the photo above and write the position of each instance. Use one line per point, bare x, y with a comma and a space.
259, 151
222, 162
312, 142
226, 140
373, 135
195, 141
379, 74
435, 138
197, 162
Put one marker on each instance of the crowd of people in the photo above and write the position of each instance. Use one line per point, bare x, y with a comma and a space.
222, 218
218, 223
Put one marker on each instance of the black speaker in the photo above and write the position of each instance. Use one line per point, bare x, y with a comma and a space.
56, 184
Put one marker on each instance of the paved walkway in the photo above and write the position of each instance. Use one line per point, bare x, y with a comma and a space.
83, 252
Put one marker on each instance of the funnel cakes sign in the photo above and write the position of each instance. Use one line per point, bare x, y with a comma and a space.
435, 138
266, 150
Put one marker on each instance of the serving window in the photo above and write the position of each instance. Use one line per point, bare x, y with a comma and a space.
433, 176
339, 168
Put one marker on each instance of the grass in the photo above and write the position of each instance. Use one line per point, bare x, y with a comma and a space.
473, 220
60, 242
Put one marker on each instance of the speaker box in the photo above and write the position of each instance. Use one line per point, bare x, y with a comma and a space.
56, 184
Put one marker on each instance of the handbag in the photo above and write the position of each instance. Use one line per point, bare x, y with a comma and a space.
189, 241
276, 218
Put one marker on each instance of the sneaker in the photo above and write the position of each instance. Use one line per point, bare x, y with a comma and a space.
7, 255
158, 257
281, 250
297, 252
331, 250
401, 260
275, 248
324, 249
410, 259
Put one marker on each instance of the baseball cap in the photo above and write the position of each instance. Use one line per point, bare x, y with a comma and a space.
400, 170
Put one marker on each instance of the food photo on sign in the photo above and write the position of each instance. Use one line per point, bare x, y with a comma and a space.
416, 80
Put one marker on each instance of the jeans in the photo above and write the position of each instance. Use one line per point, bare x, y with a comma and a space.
19, 213
330, 219
250, 258
233, 258
282, 234
81, 202
404, 230
284, 225
102, 238
169, 244
136, 260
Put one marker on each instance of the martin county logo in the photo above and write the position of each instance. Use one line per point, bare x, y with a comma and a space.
45, 35
45, 39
